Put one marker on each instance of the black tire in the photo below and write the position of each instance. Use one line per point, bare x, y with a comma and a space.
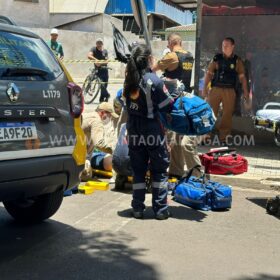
35, 209
277, 135
91, 89
273, 206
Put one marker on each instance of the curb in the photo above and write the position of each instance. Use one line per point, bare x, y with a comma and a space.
245, 182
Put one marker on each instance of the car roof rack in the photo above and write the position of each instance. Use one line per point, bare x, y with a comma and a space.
6, 20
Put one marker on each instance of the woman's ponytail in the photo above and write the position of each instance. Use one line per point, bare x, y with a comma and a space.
136, 67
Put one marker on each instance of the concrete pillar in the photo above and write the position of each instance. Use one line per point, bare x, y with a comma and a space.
163, 28
151, 25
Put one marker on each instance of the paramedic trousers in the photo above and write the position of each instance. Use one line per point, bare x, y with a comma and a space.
227, 97
183, 152
147, 150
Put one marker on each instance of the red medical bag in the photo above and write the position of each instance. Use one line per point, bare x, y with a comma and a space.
223, 161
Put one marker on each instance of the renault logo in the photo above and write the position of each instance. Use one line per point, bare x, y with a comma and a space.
13, 92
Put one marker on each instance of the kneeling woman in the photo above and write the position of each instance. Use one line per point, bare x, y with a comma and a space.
145, 96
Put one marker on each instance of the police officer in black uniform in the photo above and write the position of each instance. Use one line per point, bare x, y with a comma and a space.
145, 96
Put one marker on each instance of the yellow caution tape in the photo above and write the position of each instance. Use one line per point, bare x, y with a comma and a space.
111, 83
73, 61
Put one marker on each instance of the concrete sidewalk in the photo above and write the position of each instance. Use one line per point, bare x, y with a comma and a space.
263, 168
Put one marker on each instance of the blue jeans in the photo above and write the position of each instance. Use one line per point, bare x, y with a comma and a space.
97, 160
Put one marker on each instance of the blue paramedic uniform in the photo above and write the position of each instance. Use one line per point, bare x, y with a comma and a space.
146, 140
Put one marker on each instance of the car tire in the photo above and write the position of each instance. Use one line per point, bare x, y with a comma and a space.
277, 135
273, 205
35, 209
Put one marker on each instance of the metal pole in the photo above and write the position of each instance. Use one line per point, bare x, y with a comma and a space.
198, 46
143, 17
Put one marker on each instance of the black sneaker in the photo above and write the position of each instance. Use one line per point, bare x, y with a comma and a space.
106, 99
163, 215
138, 214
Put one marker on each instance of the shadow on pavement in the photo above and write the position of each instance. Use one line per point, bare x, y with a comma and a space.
261, 201
53, 250
127, 191
259, 277
178, 212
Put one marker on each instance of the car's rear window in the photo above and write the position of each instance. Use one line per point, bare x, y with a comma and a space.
18, 51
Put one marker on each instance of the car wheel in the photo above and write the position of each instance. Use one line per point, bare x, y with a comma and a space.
277, 135
273, 206
36, 209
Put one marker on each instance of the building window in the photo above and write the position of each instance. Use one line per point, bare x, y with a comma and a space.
31, 1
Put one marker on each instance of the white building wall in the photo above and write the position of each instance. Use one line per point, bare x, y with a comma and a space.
78, 6
25, 13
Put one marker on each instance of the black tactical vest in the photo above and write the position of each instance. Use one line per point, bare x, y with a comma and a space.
225, 75
184, 70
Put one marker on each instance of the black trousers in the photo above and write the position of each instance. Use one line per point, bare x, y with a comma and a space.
103, 74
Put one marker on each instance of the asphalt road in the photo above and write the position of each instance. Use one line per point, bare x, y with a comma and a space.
94, 237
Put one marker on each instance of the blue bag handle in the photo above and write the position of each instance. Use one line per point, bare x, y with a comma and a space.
190, 172
187, 177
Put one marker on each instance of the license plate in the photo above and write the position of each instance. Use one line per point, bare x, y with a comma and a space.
17, 131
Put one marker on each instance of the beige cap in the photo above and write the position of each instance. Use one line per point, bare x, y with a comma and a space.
99, 40
108, 107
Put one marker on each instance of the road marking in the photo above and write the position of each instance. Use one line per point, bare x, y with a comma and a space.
123, 224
